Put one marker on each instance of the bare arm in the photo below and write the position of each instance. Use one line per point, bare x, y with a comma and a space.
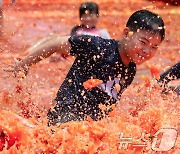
58, 44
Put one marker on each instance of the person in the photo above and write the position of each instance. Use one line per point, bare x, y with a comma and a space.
171, 74
111, 61
89, 15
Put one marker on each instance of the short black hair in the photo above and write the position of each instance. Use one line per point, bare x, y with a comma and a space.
89, 6
146, 20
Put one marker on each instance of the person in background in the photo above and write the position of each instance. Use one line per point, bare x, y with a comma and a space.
89, 16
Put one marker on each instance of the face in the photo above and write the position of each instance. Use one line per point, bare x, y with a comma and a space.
89, 20
141, 46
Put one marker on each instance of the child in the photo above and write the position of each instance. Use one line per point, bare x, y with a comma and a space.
113, 62
89, 14
171, 74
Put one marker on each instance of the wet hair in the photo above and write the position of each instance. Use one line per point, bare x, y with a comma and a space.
89, 6
146, 20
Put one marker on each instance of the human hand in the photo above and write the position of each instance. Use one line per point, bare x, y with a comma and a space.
18, 69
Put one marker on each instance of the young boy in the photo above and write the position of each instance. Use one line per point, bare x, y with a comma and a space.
113, 62
89, 14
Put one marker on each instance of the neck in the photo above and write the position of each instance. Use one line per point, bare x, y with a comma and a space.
122, 54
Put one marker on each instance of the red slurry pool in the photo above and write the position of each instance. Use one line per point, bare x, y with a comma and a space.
142, 112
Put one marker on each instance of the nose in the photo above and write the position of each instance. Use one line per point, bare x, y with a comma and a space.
146, 51
88, 18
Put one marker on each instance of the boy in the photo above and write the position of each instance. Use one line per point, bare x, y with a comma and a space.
113, 62
89, 14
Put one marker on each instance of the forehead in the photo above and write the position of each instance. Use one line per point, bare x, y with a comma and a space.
154, 38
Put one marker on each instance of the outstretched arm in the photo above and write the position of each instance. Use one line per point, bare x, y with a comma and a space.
58, 44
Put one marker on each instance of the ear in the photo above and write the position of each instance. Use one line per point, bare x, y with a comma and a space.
125, 32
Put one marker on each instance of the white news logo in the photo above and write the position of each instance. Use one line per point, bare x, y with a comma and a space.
167, 141
163, 140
